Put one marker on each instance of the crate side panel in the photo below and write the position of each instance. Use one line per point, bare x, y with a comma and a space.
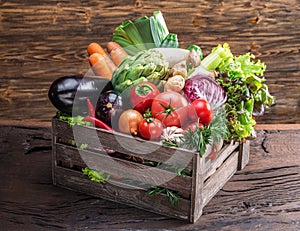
216, 181
62, 129
210, 166
135, 197
127, 169
126, 144
110, 142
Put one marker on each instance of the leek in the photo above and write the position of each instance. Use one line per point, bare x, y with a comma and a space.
143, 26
170, 41
158, 28
144, 33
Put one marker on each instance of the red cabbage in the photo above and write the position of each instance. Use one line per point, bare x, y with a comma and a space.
202, 86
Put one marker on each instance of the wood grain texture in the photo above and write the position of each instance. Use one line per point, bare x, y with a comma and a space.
43, 40
263, 196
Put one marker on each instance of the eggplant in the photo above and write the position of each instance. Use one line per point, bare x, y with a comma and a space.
109, 107
69, 94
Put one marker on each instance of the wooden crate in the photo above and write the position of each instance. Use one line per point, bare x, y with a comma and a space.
121, 157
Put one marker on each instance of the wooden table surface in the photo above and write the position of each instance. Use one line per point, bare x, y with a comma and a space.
44, 40
263, 196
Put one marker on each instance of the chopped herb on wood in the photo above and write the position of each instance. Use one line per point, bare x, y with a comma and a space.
75, 120
172, 195
96, 176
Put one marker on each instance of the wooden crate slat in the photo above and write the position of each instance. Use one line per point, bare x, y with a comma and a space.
128, 169
244, 154
133, 146
74, 180
220, 177
197, 187
211, 167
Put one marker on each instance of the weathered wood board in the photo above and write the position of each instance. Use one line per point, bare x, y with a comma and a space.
43, 40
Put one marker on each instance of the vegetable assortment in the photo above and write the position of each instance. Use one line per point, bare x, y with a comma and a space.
144, 85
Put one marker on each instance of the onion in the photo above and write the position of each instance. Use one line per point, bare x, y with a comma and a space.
204, 87
129, 122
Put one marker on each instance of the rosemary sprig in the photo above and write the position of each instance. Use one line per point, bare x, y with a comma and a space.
172, 195
216, 131
198, 139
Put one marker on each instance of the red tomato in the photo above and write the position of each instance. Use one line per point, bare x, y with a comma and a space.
170, 108
142, 95
150, 129
193, 125
200, 109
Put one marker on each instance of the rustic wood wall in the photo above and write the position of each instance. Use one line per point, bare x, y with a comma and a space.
43, 40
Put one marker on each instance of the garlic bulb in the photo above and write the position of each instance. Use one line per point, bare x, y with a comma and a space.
172, 134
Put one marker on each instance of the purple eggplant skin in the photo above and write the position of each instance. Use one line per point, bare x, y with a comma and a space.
109, 107
69, 94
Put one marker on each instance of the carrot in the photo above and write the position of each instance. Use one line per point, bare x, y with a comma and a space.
95, 48
112, 46
117, 56
99, 65
116, 52
112, 66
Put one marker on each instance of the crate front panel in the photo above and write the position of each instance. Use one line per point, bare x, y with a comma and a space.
205, 176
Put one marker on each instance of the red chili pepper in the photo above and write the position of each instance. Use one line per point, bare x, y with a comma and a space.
98, 123
90, 108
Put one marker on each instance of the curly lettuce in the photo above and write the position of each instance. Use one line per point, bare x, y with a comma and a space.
247, 94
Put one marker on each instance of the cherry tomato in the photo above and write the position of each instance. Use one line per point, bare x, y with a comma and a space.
151, 129
193, 126
171, 108
142, 95
200, 109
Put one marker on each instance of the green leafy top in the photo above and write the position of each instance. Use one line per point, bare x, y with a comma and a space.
242, 79
72, 120
96, 176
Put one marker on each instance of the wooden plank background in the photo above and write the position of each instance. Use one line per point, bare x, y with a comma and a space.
43, 40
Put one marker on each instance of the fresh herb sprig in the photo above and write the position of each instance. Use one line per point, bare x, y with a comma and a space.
173, 196
201, 137
96, 176
72, 120
197, 140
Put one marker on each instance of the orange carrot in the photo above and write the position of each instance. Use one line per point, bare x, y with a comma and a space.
95, 48
112, 46
112, 66
118, 55
116, 52
99, 65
